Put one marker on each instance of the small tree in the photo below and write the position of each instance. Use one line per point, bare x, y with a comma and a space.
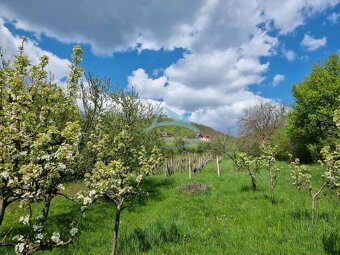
119, 172
250, 165
300, 174
302, 177
331, 178
268, 160
124, 153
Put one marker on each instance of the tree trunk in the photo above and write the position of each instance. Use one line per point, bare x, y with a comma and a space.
46, 208
218, 166
253, 182
314, 197
312, 210
3, 204
115, 232
273, 196
189, 168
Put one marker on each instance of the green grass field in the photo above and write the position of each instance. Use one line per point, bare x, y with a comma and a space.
228, 219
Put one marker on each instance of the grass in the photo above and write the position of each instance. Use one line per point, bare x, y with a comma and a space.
227, 219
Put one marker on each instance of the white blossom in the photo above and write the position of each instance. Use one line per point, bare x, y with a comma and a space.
5, 175
18, 238
55, 237
73, 231
61, 187
37, 228
19, 248
92, 193
87, 201
39, 236
24, 219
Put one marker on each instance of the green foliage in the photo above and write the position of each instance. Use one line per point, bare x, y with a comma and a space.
310, 123
331, 177
38, 141
284, 146
123, 154
95, 97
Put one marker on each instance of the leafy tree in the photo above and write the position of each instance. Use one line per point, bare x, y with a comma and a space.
284, 146
38, 140
119, 171
123, 154
95, 99
310, 123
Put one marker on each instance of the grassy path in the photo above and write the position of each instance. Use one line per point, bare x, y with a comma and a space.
229, 219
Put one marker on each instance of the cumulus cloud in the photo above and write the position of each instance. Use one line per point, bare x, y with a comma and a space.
115, 25
313, 44
223, 39
289, 14
9, 42
278, 78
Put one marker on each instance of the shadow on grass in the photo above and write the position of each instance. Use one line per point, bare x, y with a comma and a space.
56, 222
141, 240
249, 188
152, 190
276, 200
331, 243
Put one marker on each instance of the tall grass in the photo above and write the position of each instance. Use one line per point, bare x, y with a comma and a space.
228, 219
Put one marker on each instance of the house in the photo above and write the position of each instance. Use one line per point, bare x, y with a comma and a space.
201, 137
206, 138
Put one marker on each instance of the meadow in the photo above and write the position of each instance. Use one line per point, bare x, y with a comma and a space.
227, 218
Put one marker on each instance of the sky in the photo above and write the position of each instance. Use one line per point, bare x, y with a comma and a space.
204, 59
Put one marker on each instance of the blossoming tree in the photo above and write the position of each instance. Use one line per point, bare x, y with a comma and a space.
123, 155
268, 161
38, 140
331, 178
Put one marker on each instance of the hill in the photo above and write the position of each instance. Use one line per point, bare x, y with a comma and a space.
183, 132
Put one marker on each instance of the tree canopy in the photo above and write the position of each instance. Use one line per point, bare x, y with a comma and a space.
311, 123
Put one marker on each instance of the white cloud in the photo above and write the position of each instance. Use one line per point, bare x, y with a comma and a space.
289, 54
313, 43
289, 14
213, 87
278, 78
334, 17
115, 25
224, 42
57, 66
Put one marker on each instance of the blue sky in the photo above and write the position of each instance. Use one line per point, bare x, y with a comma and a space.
207, 59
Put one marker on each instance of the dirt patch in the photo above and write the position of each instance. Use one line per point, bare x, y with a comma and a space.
194, 188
